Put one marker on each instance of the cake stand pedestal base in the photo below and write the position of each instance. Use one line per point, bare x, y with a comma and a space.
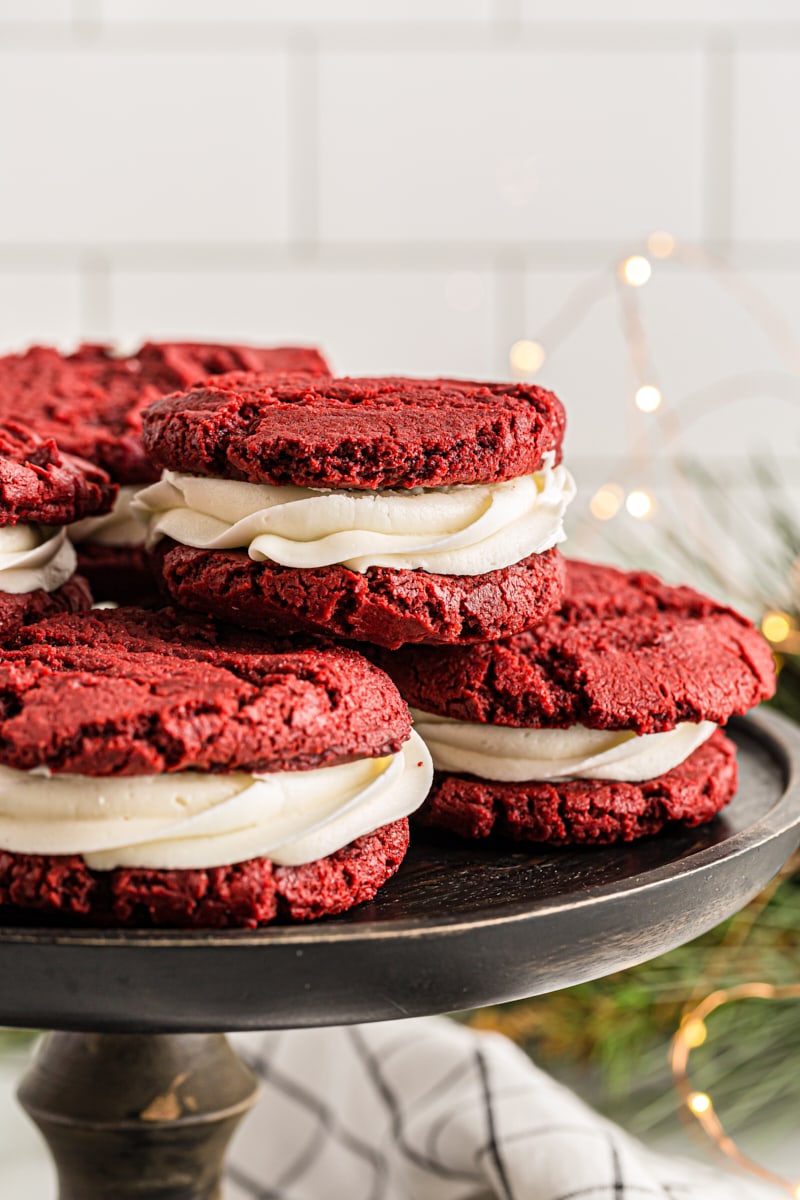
137, 1116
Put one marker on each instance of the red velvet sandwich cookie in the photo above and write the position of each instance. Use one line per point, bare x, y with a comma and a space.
602, 724
41, 492
380, 510
91, 401
215, 785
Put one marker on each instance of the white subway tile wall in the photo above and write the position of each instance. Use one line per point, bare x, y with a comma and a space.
416, 185
34, 11
660, 10
272, 11
122, 147
767, 158
43, 303
509, 146
446, 316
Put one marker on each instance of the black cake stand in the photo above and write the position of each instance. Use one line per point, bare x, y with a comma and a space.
138, 1092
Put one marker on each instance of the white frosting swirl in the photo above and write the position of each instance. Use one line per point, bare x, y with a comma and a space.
511, 755
195, 820
465, 530
120, 527
34, 556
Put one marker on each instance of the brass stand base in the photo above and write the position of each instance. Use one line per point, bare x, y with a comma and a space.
137, 1116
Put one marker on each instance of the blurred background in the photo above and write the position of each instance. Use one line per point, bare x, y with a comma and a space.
417, 185
603, 198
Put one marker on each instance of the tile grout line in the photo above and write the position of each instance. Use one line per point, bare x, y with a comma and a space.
504, 28
718, 140
766, 253
87, 19
507, 14
303, 150
402, 256
95, 295
508, 279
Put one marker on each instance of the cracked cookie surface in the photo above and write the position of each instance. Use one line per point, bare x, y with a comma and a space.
108, 710
355, 433
40, 484
624, 651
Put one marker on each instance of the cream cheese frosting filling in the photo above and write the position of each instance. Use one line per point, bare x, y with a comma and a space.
508, 754
33, 557
120, 527
192, 820
460, 530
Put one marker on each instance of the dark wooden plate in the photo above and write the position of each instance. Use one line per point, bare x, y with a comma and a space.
459, 926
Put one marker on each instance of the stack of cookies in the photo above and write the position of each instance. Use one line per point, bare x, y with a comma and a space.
329, 553
383, 511
91, 402
601, 724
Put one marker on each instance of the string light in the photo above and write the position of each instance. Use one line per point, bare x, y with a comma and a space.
781, 629
648, 398
776, 627
635, 270
700, 1104
695, 1033
622, 278
661, 244
607, 501
527, 357
639, 504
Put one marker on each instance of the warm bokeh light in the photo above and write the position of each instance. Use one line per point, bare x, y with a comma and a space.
661, 244
699, 1102
648, 398
640, 504
776, 627
694, 1033
607, 501
527, 357
636, 270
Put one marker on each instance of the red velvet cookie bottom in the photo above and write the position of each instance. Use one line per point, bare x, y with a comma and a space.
583, 811
243, 896
123, 574
382, 606
26, 608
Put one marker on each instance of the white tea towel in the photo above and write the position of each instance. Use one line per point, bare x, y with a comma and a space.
430, 1110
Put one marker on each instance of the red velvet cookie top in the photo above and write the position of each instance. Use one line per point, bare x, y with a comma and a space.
177, 365
355, 433
108, 710
168, 630
625, 651
40, 484
91, 401
88, 402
